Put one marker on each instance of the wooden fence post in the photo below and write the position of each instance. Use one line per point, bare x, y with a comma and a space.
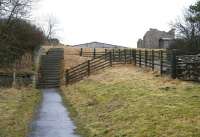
119, 55
145, 54
135, 57
161, 62
88, 67
105, 54
110, 58
113, 55
125, 59
14, 79
152, 61
173, 64
67, 77
94, 54
130, 55
14, 75
140, 58
81, 52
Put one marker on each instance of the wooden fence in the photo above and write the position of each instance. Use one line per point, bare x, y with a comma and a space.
16, 70
153, 59
85, 69
18, 63
177, 64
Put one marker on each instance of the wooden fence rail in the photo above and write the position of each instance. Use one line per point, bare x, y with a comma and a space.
152, 59
175, 63
85, 69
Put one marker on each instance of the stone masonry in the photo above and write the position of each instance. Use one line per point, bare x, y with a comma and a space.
153, 37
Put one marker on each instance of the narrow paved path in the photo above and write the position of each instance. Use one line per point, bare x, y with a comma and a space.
52, 118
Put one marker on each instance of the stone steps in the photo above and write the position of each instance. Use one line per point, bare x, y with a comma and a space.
50, 69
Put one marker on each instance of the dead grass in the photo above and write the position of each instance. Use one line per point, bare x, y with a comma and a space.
72, 54
16, 110
130, 102
73, 60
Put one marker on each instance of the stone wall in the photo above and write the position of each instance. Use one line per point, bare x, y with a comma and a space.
152, 37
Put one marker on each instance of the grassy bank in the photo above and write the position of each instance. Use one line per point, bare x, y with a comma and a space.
128, 102
16, 110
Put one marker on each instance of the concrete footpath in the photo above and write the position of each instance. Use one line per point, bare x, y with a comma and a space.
52, 119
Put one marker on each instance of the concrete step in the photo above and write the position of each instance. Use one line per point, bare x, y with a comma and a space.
50, 73
50, 68
48, 86
50, 76
41, 81
50, 63
46, 68
51, 60
50, 81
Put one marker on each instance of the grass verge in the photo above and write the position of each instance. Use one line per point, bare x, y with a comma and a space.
129, 102
16, 110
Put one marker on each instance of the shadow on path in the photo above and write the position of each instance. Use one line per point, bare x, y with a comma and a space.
52, 119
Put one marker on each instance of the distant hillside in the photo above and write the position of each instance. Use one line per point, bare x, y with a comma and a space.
97, 45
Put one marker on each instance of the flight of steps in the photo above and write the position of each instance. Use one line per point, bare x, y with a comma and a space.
50, 69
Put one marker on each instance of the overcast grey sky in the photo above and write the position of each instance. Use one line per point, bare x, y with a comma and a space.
119, 22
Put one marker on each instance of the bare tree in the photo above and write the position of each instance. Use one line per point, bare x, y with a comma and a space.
14, 9
188, 29
52, 26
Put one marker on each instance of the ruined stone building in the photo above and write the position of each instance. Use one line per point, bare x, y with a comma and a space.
155, 39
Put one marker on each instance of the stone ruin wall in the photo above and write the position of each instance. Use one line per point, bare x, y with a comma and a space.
152, 37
